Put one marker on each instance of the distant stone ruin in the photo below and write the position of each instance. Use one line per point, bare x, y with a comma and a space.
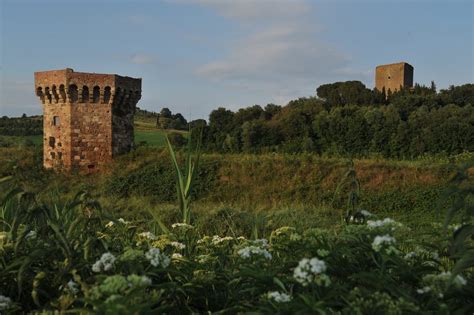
393, 76
87, 117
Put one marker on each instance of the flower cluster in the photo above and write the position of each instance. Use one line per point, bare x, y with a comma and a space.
105, 263
387, 222
437, 283
278, 297
176, 256
261, 242
178, 245
148, 235
287, 233
385, 241
249, 251
157, 258
121, 220
5, 303
311, 271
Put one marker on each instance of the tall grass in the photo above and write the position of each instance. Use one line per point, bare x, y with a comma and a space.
185, 179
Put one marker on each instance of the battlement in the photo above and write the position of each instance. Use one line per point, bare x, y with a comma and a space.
62, 86
88, 117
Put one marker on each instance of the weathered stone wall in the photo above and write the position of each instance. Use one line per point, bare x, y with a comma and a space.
88, 117
392, 76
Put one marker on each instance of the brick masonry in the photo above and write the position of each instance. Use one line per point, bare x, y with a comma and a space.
394, 75
88, 117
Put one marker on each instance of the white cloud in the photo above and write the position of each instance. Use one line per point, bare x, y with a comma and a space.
276, 53
142, 59
251, 9
282, 55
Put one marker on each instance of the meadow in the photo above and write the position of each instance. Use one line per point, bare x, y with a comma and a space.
269, 233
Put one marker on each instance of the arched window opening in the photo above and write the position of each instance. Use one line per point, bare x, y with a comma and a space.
85, 94
62, 92
47, 93
107, 94
39, 93
72, 91
96, 94
55, 94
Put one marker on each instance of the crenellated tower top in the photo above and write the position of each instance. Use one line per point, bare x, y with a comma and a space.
62, 86
87, 117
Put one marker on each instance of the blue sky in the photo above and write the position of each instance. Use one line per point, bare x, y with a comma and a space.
197, 55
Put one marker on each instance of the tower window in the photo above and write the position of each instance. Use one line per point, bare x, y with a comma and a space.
389, 77
56, 121
96, 94
52, 142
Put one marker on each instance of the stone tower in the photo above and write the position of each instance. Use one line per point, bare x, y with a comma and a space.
393, 76
87, 117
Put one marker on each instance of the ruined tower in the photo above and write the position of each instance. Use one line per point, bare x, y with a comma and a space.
393, 76
87, 117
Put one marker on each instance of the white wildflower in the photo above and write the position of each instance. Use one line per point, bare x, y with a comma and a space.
261, 242
216, 239
200, 241
176, 256
105, 263
146, 281
279, 297
157, 258
181, 225
110, 224
178, 245
380, 241
5, 303
249, 251
148, 235
73, 287
121, 220
410, 255
387, 222
366, 213
424, 290
311, 270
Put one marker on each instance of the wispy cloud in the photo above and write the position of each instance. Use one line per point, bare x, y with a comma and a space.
251, 9
143, 59
283, 54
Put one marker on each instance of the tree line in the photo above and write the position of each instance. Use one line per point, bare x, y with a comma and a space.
21, 126
346, 118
